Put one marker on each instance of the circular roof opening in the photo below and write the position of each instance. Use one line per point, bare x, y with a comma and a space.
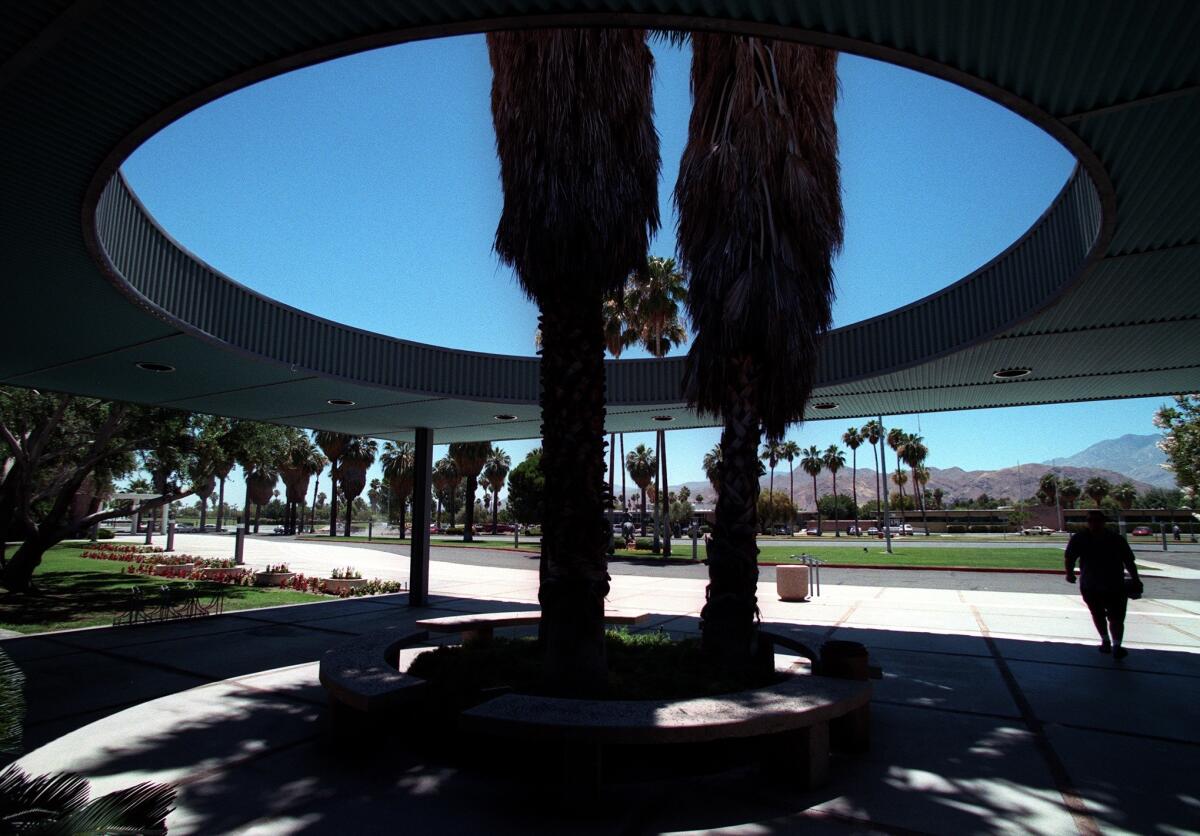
663, 418
504, 416
339, 402
160, 368
1011, 374
825, 405
924, 162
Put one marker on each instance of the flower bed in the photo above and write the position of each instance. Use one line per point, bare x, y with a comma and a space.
375, 586
280, 579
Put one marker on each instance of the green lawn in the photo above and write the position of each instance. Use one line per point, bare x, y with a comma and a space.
982, 558
75, 592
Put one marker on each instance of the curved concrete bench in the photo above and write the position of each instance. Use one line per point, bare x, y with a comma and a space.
478, 627
363, 674
792, 718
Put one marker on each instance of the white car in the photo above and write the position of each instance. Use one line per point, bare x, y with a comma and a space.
1037, 529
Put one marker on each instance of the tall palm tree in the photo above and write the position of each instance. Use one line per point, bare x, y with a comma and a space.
446, 479
299, 464
914, 452
398, 461
772, 452
332, 445
573, 114
357, 457
1097, 488
871, 434
791, 452
260, 485
619, 334
920, 475
496, 469
899, 478
1069, 491
1124, 493
319, 462
834, 460
222, 466
469, 458
642, 466
652, 305
895, 440
760, 218
712, 467
813, 463
853, 439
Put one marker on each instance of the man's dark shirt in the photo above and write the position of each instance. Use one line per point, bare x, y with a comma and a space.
1102, 560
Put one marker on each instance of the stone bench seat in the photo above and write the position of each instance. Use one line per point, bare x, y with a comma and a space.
364, 674
790, 720
478, 627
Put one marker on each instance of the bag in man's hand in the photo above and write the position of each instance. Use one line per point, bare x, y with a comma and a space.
1133, 588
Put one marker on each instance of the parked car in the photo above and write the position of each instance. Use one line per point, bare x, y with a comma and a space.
1036, 530
873, 531
813, 532
184, 528
1141, 531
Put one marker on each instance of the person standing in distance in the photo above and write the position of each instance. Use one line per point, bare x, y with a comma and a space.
1103, 557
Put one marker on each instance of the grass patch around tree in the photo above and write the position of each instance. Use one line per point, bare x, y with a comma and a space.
73, 591
641, 666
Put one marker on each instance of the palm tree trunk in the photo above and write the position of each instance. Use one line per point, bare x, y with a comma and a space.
575, 539
333, 497
643, 492
624, 505
612, 476
257, 513
900, 485
349, 514
791, 498
666, 497
920, 494
657, 547
495, 509
403, 515
878, 487
313, 516
203, 512
221, 504
771, 507
854, 489
817, 505
469, 511
727, 621
837, 531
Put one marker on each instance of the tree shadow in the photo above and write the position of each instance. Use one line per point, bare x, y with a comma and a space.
951, 753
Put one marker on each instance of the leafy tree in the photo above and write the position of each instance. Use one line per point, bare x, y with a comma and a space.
1069, 492
842, 506
774, 505
1161, 498
527, 490
1124, 494
1181, 439
61, 456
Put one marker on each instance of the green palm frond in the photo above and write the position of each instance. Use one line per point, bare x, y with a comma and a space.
12, 705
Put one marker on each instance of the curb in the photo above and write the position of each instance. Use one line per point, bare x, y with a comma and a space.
1004, 570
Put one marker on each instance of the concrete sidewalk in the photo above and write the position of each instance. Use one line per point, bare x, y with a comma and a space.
996, 714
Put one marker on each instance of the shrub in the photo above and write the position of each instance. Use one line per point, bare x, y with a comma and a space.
978, 529
279, 568
454, 531
104, 534
956, 528
349, 573
618, 543
643, 544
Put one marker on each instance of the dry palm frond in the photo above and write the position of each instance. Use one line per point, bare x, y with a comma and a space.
578, 210
760, 218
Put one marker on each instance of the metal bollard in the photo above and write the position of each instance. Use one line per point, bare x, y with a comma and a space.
171, 537
239, 545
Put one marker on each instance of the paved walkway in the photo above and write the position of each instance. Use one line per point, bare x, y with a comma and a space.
996, 715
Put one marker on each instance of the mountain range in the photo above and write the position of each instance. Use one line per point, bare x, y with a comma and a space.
1132, 458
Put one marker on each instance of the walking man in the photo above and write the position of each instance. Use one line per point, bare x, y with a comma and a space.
1103, 559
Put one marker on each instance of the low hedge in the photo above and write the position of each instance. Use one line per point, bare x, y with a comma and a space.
105, 534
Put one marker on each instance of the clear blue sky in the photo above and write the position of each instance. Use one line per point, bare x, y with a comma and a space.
366, 190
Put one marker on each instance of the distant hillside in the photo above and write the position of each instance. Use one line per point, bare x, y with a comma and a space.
1137, 456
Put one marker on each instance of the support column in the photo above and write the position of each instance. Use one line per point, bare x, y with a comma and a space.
418, 573
239, 545
170, 537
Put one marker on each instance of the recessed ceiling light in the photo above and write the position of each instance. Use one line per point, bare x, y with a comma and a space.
339, 402
663, 418
162, 368
504, 416
1009, 374
825, 405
